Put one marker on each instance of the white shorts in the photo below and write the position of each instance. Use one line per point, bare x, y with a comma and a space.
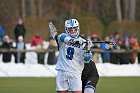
68, 81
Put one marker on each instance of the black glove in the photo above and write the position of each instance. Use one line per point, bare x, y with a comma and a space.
76, 43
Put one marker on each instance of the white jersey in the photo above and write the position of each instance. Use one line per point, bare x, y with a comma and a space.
70, 58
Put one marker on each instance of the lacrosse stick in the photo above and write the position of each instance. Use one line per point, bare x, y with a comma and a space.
53, 30
107, 42
89, 44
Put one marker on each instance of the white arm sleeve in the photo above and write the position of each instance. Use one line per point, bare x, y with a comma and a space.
64, 38
67, 39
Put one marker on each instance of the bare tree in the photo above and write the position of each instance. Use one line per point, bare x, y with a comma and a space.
132, 10
40, 9
126, 9
32, 7
90, 5
72, 7
118, 10
23, 7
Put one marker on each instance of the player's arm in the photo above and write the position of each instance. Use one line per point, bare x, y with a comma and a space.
64, 38
68, 40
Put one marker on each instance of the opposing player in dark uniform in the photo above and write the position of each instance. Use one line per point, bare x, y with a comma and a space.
90, 74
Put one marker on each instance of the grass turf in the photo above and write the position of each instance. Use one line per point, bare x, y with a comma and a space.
118, 85
47, 85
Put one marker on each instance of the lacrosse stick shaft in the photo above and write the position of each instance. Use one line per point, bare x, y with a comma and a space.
108, 42
102, 42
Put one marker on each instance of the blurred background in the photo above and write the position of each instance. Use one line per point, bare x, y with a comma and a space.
112, 20
100, 16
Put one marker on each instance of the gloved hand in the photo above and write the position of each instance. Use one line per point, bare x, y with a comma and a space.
87, 58
77, 42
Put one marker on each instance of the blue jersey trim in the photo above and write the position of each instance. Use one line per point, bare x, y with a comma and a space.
62, 37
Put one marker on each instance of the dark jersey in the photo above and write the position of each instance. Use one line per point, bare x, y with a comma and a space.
89, 76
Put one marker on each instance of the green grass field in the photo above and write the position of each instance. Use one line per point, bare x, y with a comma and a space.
47, 85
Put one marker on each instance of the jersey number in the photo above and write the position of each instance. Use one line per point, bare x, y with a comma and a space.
70, 52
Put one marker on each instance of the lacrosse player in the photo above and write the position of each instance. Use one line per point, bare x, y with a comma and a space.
73, 54
70, 62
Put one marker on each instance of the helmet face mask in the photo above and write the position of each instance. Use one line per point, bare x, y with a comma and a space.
73, 31
72, 28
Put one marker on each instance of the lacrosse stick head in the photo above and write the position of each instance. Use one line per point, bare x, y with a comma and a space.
53, 30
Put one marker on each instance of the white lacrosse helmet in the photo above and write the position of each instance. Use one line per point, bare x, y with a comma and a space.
72, 28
